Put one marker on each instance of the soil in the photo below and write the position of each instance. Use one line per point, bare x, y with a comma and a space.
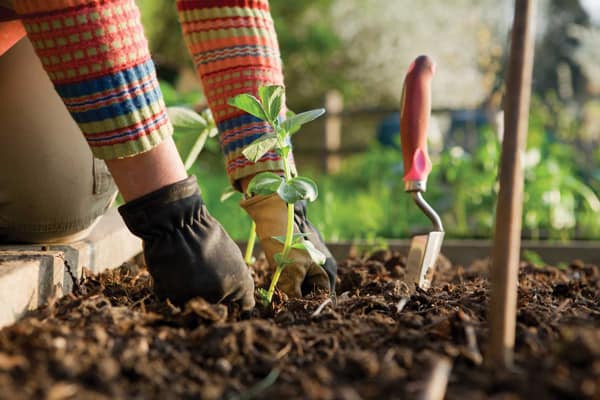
113, 339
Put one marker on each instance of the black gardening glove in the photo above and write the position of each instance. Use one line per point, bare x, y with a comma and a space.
187, 251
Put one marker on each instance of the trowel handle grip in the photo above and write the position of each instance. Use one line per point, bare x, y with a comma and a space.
414, 121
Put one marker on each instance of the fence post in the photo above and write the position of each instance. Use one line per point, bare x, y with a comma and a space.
334, 104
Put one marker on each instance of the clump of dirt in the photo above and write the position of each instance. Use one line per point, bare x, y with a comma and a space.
113, 339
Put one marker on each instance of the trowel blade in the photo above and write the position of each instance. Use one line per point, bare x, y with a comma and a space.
422, 255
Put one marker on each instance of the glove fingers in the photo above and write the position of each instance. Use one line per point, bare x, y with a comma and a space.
290, 280
247, 301
316, 280
246, 297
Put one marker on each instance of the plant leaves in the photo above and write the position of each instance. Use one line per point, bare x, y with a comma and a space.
255, 150
182, 117
196, 149
293, 124
250, 104
264, 296
284, 151
293, 129
280, 261
312, 251
265, 183
298, 188
296, 237
211, 124
228, 193
272, 98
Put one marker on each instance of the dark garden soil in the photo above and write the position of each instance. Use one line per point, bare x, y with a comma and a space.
113, 339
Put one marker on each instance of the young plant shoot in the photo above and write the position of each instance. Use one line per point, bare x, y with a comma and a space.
290, 189
192, 130
248, 257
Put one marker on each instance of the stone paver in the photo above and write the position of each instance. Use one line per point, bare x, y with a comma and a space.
30, 275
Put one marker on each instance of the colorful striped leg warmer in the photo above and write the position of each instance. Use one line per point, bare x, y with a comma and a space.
234, 48
96, 54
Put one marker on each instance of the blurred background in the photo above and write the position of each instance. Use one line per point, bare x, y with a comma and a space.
350, 56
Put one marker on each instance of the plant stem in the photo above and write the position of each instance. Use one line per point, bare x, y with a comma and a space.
289, 234
290, 212
287, 246
274, 280
250, 246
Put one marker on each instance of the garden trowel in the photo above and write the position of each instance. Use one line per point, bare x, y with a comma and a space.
414, 120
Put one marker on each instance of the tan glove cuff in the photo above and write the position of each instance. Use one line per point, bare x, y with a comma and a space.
269, 213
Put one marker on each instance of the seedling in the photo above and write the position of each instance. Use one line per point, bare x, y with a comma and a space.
194, 127
248, 257
290, 189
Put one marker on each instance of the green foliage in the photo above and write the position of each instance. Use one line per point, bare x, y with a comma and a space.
272, 98
293, 123
311, 50
191, 132
289, 189
558, 203
534, 258
192, 129
297, 189
173, 98
250, 104
265, 183
260, 146
163, 31
367, 199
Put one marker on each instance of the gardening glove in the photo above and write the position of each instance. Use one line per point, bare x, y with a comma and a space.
303, 275
187, 251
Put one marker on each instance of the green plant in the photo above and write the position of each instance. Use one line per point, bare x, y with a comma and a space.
290, 189
248, 257
193, 129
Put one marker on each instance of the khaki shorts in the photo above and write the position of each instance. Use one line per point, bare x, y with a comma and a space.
51, 188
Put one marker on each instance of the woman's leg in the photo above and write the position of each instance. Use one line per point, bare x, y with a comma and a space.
51, 187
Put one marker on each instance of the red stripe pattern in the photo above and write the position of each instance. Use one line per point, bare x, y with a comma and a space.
96, 54
234, 48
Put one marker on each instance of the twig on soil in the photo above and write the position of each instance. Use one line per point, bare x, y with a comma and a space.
400, 305
261, 386
434, 323
141, 302
558, 311
473, 349
435, 387
342, 298
281, 353
321, 307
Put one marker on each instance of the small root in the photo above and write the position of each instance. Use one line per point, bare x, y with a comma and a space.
321, 307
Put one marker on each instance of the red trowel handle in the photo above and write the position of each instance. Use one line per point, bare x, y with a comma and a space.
414, 119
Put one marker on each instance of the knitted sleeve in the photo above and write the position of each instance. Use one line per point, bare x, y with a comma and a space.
96, 54
234, 48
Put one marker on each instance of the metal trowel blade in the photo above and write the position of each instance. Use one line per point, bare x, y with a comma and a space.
422, 256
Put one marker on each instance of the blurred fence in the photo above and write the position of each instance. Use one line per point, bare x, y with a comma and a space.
332, 142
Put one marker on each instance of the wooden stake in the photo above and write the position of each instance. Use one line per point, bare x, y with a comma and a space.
334, 104
507, 238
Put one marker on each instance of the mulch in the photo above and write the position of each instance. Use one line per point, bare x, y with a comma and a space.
113, 339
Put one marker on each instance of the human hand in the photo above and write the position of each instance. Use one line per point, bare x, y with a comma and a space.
187, 251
